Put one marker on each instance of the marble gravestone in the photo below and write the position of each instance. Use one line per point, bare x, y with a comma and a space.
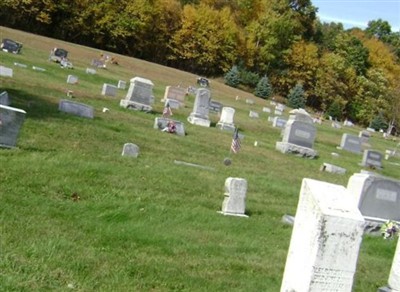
325, 242
11, 121
109, 90
199, 115
235, 197
279, 122
131, 150
140, 95
121, 84
72, 79
372, 158
6, 72
298, 135
91, 71
76, 108
253, 115
394, 277
377, 197
175, 96
364, 136
160, 123
350, 143
226, 120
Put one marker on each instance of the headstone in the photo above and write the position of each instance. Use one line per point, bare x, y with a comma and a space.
71, 79
266, 110
371, 130
336, 125
278, 112
348, 123
325, 242
279, 107
6, 72
249, 101
20, 65
235, 197
172, 103
279, 122
332, 168
75, 108
160, 123
350, 143
199, 115
364, 136
272, 103
394, 277
4, 98
175, 95
40, 69
215, 106
91, 71
372, 158
11, 121
140, 95
121, 84
131, 150
378, 197
253, 115
298, 135
109, 90
226, 120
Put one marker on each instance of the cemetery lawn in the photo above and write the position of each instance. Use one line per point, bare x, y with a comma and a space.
75, 214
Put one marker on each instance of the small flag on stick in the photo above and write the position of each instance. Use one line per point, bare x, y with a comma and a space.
167, 111
235, 146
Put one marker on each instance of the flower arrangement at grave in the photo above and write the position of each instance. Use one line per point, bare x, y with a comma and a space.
390, 229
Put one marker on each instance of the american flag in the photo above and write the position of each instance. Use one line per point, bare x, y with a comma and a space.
167, 111
235, 146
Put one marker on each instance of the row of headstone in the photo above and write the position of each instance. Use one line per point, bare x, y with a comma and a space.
328, 229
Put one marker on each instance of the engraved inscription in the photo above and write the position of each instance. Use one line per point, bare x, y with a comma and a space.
386, 195
302, 134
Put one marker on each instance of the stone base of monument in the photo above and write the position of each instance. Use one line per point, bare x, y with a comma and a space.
160, 123
226, 127
233, 214
332, 168
285, 147
135, 105
385, 289
199, 121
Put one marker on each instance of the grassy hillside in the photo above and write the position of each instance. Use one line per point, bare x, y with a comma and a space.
148, 224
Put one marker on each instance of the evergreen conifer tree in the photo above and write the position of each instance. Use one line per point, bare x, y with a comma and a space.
263, 88
296, 97
232, 77
379, 122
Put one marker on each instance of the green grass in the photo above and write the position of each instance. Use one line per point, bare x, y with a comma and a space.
148, 224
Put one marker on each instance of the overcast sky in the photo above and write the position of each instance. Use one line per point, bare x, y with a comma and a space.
357, 13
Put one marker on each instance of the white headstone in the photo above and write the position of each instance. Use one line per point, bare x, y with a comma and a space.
253, 115
71, 79
394, 278
325, 241
11, 121
199, 115
226, 120
279, 122
91, 71
332, 168
121, 84
130, 149
249, 101
6, 72
109, 90
266, 110
235, 197
20, 65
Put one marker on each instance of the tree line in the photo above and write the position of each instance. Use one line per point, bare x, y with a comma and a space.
352, 74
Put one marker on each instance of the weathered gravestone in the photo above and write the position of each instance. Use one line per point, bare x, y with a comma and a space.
226, 120
140, 95
332, 168
71, 79
277, 112
394, 277
235, 197
364, 136
215, 106
350, 143
279, 122
378, 197
76, 108
253, 115
161, 123
91, 71
175, 96
199, 115
121, 84
298, 135
372, 158
131, 150
11, 121
266, 110
325, 241
6, 72
4, 98
249, 101
109, 90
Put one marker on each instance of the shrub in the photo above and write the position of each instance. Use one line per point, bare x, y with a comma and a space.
296, 97
232, 77
264, 88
